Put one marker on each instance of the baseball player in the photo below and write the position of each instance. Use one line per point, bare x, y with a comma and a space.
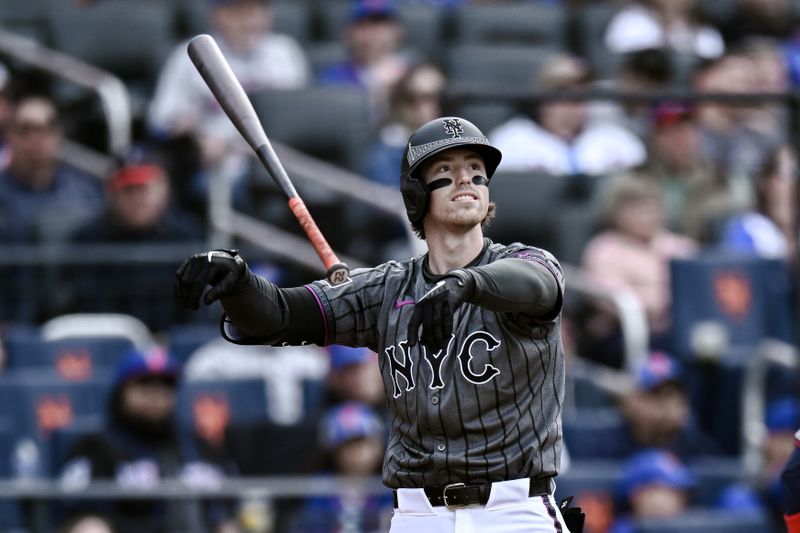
468, 336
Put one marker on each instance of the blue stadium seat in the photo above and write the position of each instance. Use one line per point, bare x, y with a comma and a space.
593, 433
71, 358
207, 408
511, 66
713, 475
63, 439
184, 339
42, 403
748, 296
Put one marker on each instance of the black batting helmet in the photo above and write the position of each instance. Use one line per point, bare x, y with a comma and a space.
436, 136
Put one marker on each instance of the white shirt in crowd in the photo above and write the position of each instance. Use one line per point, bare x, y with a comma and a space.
283, 370
637, 27
599, 149
182, 101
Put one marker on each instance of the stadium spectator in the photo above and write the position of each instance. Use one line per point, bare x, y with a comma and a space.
790, 488
354, 377
560, 140
674, 24
261, 59
375, 61
695, 198
139, 212
769, 229
414, 100
655, 413
781, 419
352, 442
650, 69
773, 19
655, 485
87, 524
633, 254
43, 196
658, 413
140, 448
735, 144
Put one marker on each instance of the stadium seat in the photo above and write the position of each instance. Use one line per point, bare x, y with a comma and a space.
748, 297
207, 408
72, 359
129, 39
184, 339
511, 67
591, 433
331, 123
590, 26
64, 439
542, 24
41, 404
485, 114
28, 18
98, 325
528, 203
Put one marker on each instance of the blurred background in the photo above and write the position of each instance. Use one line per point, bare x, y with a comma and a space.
651, 145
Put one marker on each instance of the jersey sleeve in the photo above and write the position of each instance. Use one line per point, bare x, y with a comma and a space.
548, 260
351, 311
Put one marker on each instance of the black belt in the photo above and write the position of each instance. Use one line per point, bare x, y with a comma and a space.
457, 495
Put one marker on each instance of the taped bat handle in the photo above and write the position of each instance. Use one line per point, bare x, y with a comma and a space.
336, 271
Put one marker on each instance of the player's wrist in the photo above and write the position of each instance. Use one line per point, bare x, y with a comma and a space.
463, 283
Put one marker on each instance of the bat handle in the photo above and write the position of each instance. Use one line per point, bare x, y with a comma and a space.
337, 272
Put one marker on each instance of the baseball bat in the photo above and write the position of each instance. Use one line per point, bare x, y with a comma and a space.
215, 70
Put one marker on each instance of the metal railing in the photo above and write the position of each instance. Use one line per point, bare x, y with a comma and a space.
111, 91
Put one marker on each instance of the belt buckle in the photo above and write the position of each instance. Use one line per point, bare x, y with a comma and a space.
444, 496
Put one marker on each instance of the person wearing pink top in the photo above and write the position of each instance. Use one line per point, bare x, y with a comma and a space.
634, 252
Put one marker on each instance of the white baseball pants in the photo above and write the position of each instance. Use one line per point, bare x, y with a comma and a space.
509, 510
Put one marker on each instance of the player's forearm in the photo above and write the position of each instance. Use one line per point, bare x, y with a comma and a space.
515, 286
263, 311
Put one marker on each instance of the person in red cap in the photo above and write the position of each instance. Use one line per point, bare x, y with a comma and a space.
138, 212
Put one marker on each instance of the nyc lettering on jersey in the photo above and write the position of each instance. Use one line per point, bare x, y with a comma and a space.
401, 364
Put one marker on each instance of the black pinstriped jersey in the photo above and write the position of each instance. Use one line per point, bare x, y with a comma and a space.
487, 407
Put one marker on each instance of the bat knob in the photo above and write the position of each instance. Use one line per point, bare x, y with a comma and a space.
338, 273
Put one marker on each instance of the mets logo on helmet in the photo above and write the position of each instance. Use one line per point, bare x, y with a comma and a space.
452, 126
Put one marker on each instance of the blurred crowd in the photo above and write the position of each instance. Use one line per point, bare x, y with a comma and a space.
686, 204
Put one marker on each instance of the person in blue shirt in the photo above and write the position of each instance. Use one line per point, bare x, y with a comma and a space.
352, 441
375, 61
44, 196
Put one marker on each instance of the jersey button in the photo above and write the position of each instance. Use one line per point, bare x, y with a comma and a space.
441, 447
435, 400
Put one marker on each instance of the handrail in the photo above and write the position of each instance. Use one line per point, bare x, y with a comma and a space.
632, 318
111, 90
266, 487
753, 427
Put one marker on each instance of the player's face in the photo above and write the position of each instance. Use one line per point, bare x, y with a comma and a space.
461, 204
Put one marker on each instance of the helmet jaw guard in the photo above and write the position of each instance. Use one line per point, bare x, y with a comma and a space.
430, 139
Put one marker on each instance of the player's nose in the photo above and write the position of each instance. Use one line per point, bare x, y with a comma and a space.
463, 175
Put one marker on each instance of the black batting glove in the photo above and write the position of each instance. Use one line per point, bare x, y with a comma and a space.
223, 270
435, 310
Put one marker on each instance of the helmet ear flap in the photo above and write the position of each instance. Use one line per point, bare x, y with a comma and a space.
415, 197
